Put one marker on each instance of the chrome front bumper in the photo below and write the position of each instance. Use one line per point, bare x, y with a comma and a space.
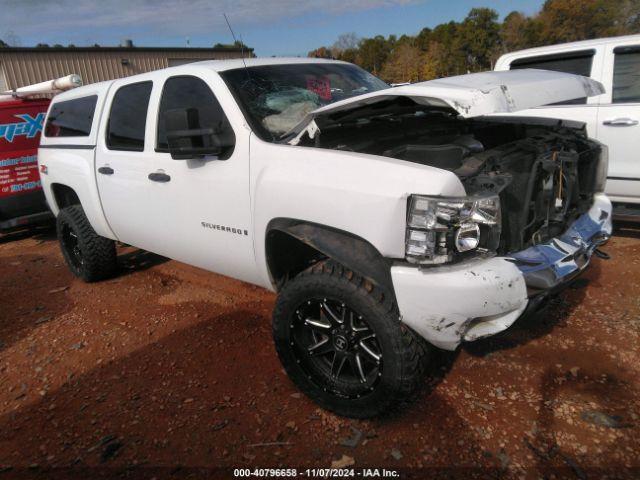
550, 265
464, 302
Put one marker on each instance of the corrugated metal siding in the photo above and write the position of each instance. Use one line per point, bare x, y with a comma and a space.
3, 83
27, 68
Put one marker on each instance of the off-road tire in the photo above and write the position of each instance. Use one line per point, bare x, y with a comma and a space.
403, 352
98, 254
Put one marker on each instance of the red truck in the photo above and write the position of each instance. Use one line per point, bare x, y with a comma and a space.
22, 202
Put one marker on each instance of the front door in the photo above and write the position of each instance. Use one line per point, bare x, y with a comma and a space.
194, 210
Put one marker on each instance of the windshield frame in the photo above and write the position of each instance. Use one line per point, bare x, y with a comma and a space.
254, 122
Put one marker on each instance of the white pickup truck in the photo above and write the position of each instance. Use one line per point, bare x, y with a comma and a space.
386, 219
613, 117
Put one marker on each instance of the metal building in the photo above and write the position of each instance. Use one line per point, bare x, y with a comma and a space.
20, 66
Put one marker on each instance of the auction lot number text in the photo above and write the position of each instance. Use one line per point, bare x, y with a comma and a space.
315, 473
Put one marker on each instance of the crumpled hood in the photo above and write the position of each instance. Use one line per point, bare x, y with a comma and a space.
477, 94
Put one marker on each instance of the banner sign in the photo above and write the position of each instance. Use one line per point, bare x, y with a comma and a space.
29, 127
21, 124
18, 174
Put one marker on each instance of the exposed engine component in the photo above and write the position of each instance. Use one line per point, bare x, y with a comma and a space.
543, 170
544, 181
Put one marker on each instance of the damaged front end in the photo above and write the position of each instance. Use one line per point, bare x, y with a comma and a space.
536, 200
533, 216
527, 179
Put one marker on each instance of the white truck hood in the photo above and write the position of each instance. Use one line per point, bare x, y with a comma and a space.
473, 95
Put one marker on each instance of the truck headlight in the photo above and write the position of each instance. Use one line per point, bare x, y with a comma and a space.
440, 229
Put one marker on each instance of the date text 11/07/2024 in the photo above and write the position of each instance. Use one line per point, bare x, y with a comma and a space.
316, 473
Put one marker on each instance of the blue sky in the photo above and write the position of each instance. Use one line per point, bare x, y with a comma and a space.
272, 27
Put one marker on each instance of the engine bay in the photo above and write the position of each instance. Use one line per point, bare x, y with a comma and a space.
544, 170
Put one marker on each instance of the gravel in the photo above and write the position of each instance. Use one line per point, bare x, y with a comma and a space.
559, 391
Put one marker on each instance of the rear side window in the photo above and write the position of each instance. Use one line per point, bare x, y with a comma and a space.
71, 118
188, 92
577, 63
128, 117
626, 75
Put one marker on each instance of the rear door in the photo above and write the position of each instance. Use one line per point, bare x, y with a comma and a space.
618, 124
123, 161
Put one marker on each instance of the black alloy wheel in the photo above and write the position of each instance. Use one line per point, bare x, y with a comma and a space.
341, 341
336, 346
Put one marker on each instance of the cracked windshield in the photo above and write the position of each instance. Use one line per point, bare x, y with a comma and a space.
275, 98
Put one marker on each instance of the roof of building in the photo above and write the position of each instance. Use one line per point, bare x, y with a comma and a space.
121, 49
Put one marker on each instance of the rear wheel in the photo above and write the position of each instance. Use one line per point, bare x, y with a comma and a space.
88, 255
342, 343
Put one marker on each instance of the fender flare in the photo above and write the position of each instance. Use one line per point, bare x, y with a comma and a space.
352, 251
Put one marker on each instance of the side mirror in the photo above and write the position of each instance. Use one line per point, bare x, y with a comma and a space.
187, 137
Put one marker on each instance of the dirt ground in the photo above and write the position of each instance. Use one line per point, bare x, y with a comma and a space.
169, 371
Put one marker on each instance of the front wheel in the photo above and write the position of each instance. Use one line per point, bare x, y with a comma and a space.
87, 254
341, 342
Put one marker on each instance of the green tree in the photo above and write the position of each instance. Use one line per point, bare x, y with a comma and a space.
435, 62
423, 39
453, 48
568, 20
629, 12
373, 52
404, 64
480, 37
517, 32
448, 36
349, 55
322, 52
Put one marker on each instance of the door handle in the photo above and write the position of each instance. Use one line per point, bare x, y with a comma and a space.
159, 177
106, 170
621, 122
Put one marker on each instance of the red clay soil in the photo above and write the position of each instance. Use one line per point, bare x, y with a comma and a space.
168, 371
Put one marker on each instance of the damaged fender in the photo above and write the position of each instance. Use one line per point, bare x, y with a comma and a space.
349, 250
464, 302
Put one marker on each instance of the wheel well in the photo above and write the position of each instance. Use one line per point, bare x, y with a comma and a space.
287, 256
292, 246
64, 195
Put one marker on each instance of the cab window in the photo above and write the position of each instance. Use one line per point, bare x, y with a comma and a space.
128, 117
71, 118
191, 94
626, 75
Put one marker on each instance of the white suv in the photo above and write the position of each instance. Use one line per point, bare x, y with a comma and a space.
612, 117
387, 219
